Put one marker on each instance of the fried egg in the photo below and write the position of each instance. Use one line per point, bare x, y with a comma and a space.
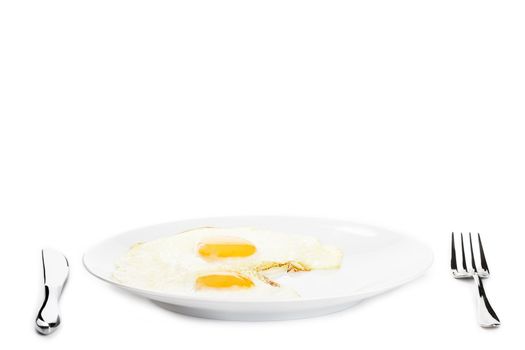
213, 261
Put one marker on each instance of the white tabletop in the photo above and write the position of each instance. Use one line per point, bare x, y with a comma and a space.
119, 114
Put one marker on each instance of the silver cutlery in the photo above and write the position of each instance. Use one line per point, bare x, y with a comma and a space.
486, 315
56, 272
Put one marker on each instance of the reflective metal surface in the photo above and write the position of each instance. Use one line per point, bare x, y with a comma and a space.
56, 272
486, 315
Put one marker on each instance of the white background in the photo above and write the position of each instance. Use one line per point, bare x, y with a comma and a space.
121, 114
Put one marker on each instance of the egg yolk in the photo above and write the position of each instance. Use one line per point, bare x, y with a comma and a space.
225, 247
223, 280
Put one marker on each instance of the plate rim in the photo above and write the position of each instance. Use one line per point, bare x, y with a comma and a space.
185, 298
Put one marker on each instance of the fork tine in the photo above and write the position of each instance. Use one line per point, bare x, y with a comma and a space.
472, 260
463, 260
484, 265
453, 262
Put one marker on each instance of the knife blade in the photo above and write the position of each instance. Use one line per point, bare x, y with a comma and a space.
56, 272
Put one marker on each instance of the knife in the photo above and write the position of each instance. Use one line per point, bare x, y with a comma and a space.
56, 272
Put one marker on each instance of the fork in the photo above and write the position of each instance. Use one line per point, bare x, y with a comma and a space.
487, 317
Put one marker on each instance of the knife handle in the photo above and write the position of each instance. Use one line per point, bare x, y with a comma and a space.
48, 317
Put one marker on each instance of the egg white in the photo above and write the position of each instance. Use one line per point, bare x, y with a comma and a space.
172, 264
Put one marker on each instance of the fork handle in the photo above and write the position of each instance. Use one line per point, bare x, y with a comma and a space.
487, 317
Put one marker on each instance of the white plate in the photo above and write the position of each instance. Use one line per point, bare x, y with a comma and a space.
375, 260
